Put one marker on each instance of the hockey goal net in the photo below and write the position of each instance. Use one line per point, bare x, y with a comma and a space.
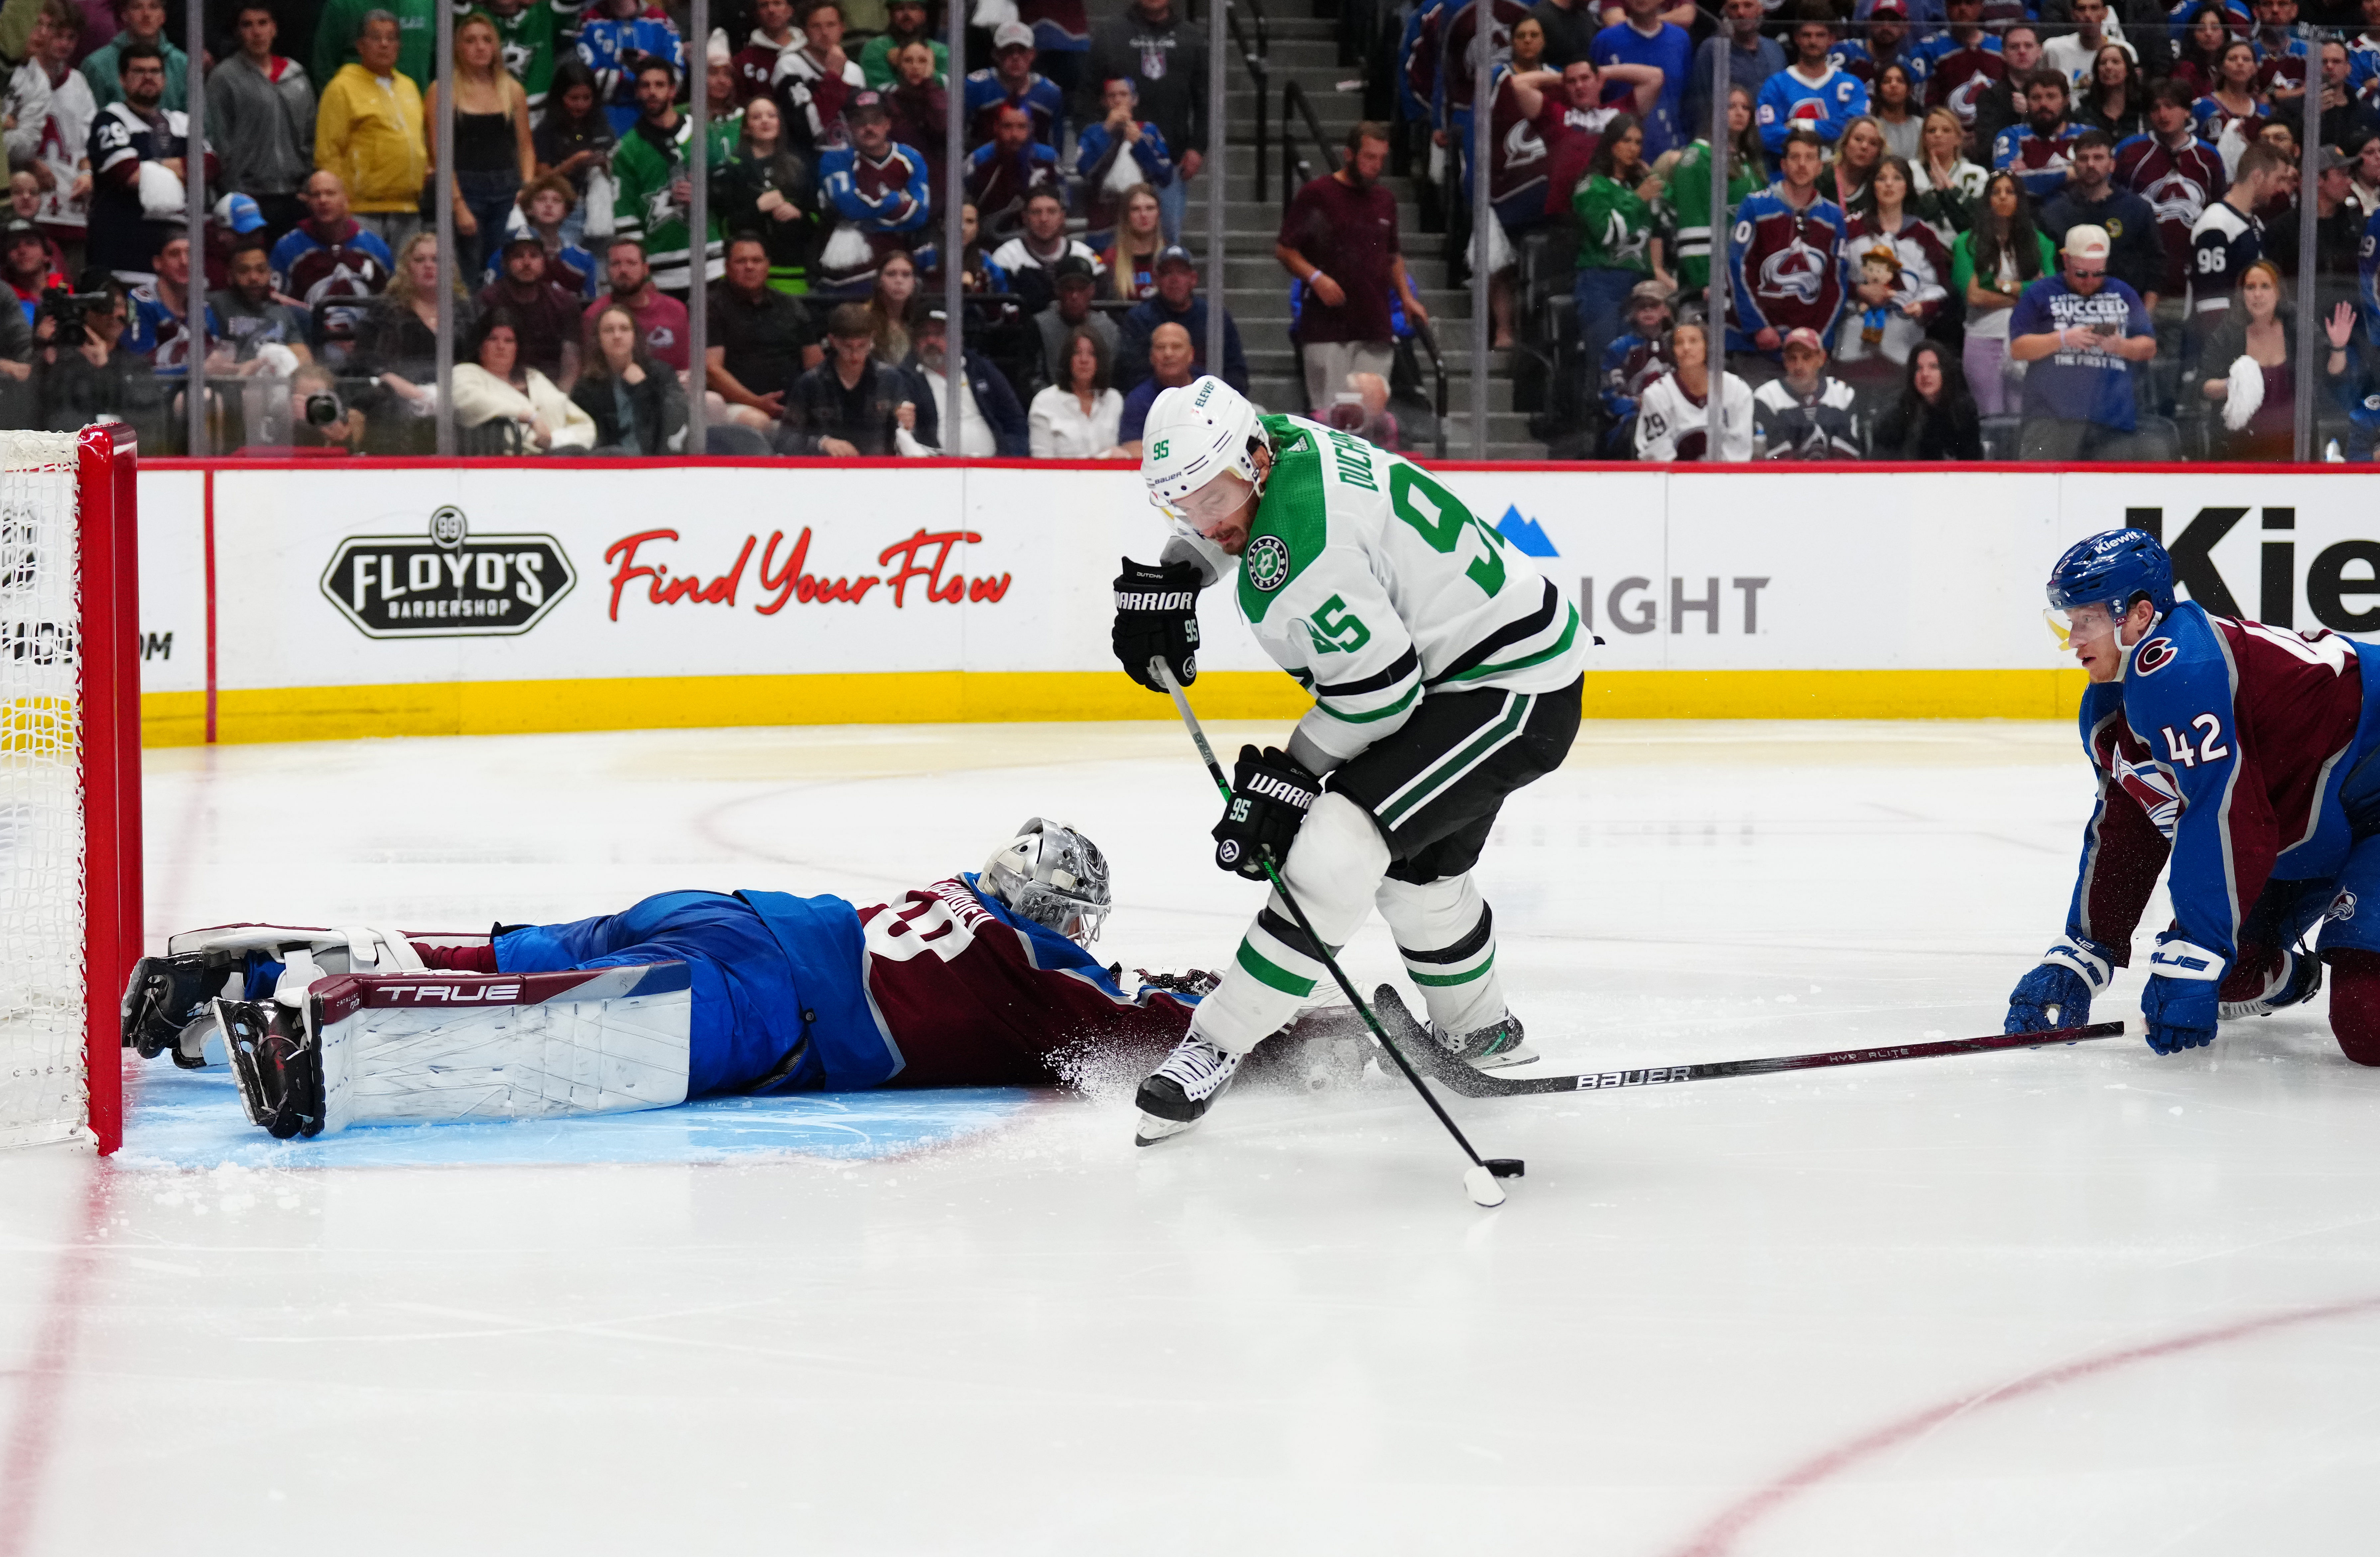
69, 782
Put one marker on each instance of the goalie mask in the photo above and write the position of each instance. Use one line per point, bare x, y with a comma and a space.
1052, 875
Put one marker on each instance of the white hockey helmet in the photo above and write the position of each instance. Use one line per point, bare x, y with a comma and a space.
1194, 434
1052, 875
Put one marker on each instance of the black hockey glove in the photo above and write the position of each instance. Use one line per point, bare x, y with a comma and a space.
1271, 792
1157, 618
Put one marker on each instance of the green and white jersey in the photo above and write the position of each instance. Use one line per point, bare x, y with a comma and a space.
1375, 587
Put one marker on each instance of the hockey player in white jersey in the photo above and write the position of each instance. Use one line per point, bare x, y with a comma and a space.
1446, 672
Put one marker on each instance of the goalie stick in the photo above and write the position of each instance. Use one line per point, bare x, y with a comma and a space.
1469, 1082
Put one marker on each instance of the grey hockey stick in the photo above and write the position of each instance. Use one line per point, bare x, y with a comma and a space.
1480, 1180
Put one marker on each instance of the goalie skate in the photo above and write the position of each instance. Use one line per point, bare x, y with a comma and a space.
168, 1004
278, 1063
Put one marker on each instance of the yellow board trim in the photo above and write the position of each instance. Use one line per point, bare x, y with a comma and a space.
487, 707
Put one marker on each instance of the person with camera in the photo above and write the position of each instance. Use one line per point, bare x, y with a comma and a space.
25, 254
318, 418
84, 372
24, 259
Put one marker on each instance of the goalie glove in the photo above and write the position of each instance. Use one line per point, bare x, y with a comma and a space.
1271, 792
1157, 618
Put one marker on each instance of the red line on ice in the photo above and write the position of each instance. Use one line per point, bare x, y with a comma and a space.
1718, 1538
40, 1396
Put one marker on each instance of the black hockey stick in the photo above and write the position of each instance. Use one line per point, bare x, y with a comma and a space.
1471, 1082
1484, 1171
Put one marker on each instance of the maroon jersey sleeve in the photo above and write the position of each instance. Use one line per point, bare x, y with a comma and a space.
974, 997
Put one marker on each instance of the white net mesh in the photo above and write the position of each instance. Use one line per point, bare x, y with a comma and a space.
42, 1086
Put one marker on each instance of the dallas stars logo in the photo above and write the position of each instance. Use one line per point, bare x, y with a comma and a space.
1267, 563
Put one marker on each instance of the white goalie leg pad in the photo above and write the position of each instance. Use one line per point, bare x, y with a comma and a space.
414, 1048
1334, 868
1447, 936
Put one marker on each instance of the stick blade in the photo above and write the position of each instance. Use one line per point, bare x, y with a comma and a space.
1484, 1190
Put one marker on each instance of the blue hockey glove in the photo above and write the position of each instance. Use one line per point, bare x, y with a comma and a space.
1271, 792
2070, 973
2183, 995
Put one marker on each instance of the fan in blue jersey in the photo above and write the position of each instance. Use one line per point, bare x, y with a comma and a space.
1642, 38
1813, 93
2040, 152
1010, 81
1886, 42
1785, 256
2236, 759
2367, 275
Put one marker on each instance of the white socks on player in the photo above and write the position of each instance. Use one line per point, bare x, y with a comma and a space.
1334, 868
1448, 938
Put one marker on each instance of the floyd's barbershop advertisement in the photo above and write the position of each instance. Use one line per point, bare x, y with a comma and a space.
517, 576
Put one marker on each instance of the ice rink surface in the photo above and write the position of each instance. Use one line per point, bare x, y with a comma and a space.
2077, 1301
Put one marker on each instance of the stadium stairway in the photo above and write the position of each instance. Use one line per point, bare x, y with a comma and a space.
1303, 48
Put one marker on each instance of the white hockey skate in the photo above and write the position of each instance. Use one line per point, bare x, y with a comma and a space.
1488, 1048
1178, 1093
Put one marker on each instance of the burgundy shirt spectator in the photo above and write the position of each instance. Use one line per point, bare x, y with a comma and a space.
921, 116
546, 318
1572, 126
756, 63
813, 81
660, 320
1349, 231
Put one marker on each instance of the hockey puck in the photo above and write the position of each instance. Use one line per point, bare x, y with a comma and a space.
1506, 1167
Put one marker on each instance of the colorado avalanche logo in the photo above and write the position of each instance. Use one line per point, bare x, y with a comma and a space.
1797, 271
1964, 95
2343, 906
2177, 197
1523, 147
2154, 656
2155, 792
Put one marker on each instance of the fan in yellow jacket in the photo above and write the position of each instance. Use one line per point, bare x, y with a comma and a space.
368, 130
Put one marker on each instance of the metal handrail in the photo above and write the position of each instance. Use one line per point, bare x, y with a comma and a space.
1429, 338
1294, 169
1256, 59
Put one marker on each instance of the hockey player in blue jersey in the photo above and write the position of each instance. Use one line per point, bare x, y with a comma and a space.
2237, 758
979, 979
1812, 93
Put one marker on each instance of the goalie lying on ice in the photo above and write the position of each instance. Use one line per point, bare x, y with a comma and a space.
982, 980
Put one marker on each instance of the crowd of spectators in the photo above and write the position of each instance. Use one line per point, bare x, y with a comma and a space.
575, 264
2052, 229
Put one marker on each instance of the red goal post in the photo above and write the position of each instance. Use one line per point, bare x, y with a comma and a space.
70, 852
